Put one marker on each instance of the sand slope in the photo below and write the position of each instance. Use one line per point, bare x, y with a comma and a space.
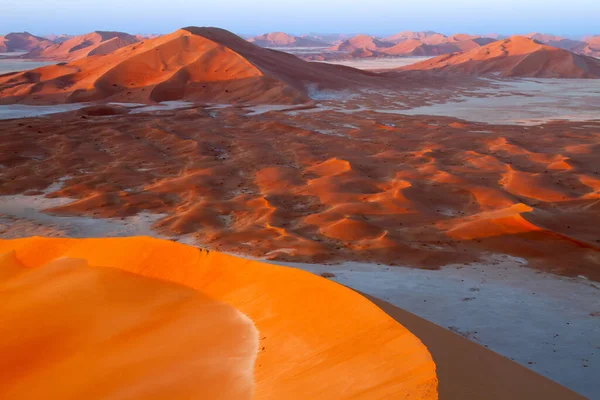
205, 64
74, 331
94, 43
317, 339
516, 56
468, 371
22, 41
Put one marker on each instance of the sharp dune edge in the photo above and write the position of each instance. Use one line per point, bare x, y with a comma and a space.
317, 340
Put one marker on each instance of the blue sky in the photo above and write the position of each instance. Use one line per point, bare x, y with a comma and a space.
572, 17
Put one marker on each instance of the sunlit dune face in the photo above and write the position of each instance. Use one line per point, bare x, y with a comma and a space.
74, 331
164, 320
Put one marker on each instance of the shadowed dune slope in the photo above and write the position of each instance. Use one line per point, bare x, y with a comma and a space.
469, 371
91, 44
317, 339
516, 56
202, 64
22, 41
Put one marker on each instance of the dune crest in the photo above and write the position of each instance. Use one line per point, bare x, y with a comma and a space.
309, 344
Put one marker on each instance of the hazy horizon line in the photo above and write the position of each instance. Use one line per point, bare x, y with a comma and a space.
314, 33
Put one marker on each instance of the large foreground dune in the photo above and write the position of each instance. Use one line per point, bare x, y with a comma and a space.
202, 64
516, 56
141, 318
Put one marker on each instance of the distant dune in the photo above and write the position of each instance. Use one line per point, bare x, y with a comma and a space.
588, 46
280, 39
408, 44
22, 41
428, 37
202, 64
516, 56
361, 42
58, 38
74, 48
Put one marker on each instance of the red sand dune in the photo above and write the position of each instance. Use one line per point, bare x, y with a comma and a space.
427, 37
588, 46
280, 39
556, 41
95, 43
202, 64
410, 43
141, 318
516, 56
361, 42
418, 48
22, 41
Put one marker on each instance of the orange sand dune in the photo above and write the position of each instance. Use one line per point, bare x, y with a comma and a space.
516, 56
590, 46
405, 44
538, 186
202, 64
74, 331
91, 44
427, 46
361, 42
138, 342
493, 223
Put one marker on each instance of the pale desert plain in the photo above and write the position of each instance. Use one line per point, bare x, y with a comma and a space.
415, 216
